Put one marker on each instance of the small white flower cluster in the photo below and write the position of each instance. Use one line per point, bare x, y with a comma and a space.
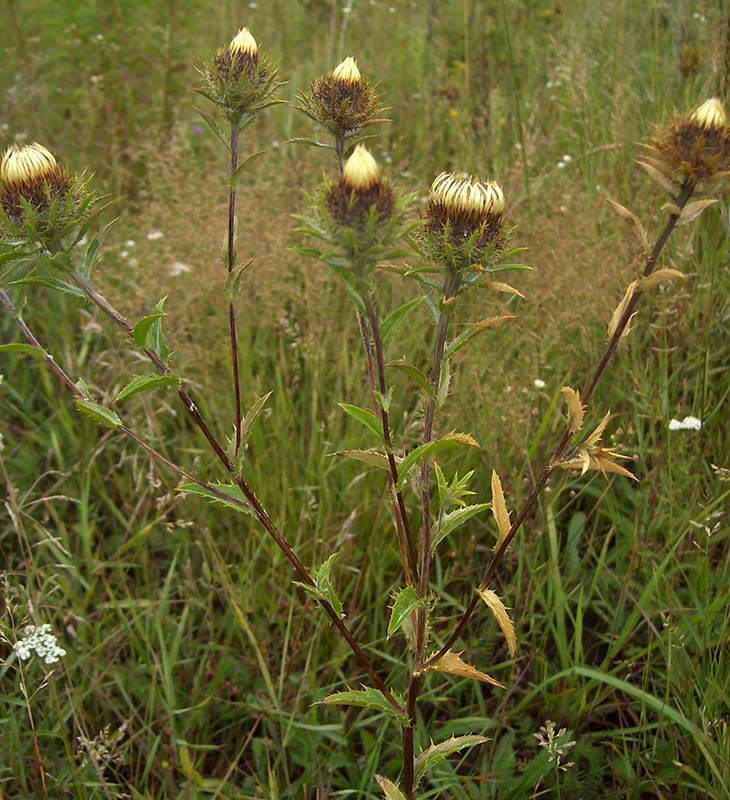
42, 641
566, 159
687, 424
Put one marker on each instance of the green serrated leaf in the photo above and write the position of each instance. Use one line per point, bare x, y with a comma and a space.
406, 602
452, 520
444, 383
243, 166
429, 448
366, 456
311, 142
413, 373
437, 752
215, 127
21, 347
390, 790
50, 283
232, 496
364, 417
394, 320
368, 698
474, 330
104, 416
233, 281
144, 382
148, 331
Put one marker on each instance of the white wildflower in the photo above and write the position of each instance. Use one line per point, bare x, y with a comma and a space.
687, 424
538, 384
153, 236
178, 268
129, 243
42, 641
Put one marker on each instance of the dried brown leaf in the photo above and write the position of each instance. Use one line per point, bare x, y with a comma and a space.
576, 410
633, 222
497, 607
499, 510
665, 181
452, 663
692, 210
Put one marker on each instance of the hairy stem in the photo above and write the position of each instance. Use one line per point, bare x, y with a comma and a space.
684, 195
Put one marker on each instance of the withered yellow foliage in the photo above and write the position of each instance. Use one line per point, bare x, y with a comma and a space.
576, 410
633, 222
590, 455
499, 510
452, 663
497, 607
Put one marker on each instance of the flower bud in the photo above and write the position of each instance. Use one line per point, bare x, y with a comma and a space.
359, 189
361, 172
31, 173
347, 72
342, 101
243, 44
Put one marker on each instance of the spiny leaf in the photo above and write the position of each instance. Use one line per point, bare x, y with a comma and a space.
474, 330
406, 601
144, 382
366, 456
663, 180
104, 416
453, 519
243, 166
390, 790
436, 752
364, 417
497, 607
451, 662
499, 510
324, 588
498, 286
233, 281
429, 448
576, 410
368, 698
235, 499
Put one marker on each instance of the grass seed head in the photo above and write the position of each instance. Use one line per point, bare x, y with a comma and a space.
692, 147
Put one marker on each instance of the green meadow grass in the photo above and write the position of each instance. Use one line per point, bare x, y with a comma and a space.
185, 638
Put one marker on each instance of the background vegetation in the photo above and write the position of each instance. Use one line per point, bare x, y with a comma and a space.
193, 666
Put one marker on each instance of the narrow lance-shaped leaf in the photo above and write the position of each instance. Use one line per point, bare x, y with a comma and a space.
633, 222
619, 312
236, 500
414, 374
364, 417
497, 607
21, 347
233, 281
144, 382
367, 457
657, 277
243, 166
474, 330
395, 319
430, 448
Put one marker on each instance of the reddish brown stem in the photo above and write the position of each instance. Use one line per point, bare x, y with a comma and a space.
231, 265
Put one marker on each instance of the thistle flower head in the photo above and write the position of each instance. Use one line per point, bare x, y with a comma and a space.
342, 102
33, 174
691, 148
361, 187
239, 79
